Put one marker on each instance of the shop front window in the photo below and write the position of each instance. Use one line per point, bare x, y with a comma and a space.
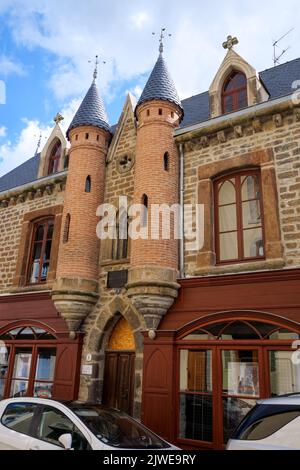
27, 362
224, 368
196, 407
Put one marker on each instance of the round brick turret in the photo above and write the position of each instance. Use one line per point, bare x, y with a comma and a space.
154, 261
76, 287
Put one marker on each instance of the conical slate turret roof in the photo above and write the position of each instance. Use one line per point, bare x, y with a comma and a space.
160, 85
91, 112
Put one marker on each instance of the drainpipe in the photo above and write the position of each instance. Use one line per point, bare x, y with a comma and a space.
181, 201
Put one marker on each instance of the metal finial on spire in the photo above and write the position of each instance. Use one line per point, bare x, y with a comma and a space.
95, 73
230, 42
38, 144
161, 37
58, 118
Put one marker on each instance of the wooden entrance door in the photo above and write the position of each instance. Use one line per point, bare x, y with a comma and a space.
119, 380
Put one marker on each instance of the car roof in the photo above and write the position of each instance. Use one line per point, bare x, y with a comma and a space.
289, 399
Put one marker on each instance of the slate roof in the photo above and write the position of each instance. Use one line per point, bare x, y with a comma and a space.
23, 174
160, 85
277, 80
91, 112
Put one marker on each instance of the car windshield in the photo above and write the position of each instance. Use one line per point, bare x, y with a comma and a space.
117, 429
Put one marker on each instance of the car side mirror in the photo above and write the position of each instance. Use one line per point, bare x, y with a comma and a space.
66, 441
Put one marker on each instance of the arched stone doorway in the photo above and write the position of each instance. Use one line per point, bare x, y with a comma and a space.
118, 387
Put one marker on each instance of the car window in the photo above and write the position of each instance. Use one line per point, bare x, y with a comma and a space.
19, 417
53, 423
117, 429
265, 420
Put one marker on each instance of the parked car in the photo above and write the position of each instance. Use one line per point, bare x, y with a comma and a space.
273, 424
43, 424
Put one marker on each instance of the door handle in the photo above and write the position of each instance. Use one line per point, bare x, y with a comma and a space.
34, 448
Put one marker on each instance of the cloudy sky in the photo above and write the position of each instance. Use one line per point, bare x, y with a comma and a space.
46, 45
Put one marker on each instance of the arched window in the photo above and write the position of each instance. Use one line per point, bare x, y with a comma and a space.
225, 366
54, 159
120, 243
238, 217
40, 253
88, 184
27, 362
234, 93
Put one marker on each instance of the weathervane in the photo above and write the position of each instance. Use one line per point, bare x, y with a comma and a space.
96, 66
230, 42
161, 37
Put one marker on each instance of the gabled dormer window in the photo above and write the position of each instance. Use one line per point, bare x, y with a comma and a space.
54, 159
234, 92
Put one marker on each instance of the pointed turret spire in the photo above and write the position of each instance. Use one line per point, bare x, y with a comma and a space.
91, 112
160, 85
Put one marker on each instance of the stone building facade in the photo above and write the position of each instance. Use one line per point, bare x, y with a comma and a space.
154, 326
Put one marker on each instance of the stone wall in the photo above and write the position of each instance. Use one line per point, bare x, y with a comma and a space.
11, 220
279, 134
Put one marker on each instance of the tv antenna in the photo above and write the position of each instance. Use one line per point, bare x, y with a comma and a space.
276, 58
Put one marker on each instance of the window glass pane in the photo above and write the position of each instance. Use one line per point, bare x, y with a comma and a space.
48, 249
54, 423
4, 357
39, 233
195, 371
251, 214
284, 334
253, 243
234, 410
242, 99
44, 272
37, 248
263, 428
238, 330
18, 417
228, 104
43, 389
250, 187
26, 333
195, 417
45, 364
240, 372
18, 388
50, 230
228, 246
284, 375
198, 335
227, 218
227, 193
239, 80
22, 364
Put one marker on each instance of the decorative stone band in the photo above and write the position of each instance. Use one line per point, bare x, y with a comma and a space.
152, 290
74, 298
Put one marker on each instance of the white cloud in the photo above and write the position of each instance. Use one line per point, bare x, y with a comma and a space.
121, 32
9, 66
140, 19
13, 153
2, 131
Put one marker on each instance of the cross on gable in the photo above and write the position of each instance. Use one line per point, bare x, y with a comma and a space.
230, 42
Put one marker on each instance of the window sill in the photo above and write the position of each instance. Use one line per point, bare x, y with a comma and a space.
115, 262
32, 288
240, 267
